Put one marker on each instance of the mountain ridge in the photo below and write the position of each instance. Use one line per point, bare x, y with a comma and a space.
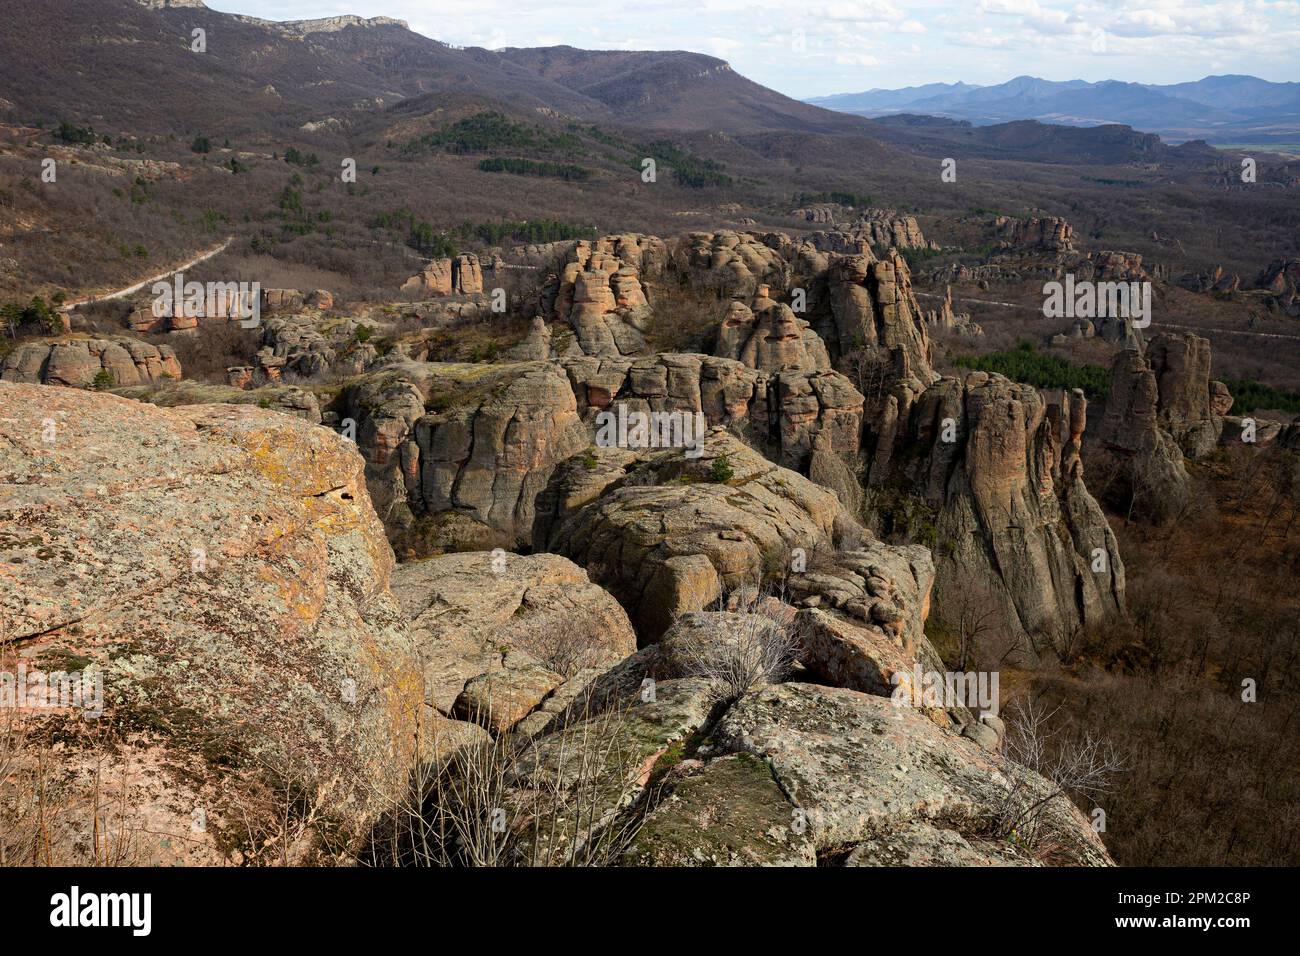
1229, 108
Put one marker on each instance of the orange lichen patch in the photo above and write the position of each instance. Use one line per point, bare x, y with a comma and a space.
232, 668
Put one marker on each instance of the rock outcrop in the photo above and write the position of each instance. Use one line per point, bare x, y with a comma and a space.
456, 454
497, 633
766, 335
1215, 280
946, 320
462, 275
1114, 266
888, 228
1048, 234
1162, 407
601, 292
87, 363
669, 534
874, 311
785, 411
863, 773
736, 263
1154, 481
304, 347
1181, 364
1281, 280
988, 474
289, 399
220, 570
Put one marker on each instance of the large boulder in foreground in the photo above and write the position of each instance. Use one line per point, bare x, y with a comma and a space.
223, 572
856, 768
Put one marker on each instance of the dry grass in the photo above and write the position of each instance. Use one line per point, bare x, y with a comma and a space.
577, 800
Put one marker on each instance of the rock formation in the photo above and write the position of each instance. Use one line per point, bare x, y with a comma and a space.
1114, 266
1215, 280
514, 626
86, 363
457, 453
945, 319
306, 347
221, 571
1154, 480
289, 399
665, 538
462, 275
874, 317
784, 411
769, 337
736, 263
988, 475
1181, 364
1049, 234
1162, 407
600, 292
888, 228
1282, 281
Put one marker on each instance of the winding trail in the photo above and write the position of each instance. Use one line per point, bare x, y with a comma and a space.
216, 250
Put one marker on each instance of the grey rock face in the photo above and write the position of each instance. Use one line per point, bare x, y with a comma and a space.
474, 443
988, 475
858, 767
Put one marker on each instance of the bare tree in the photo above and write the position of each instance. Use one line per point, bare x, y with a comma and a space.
1045, 767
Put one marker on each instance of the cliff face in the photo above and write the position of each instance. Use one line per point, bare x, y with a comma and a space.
987, 474
1162, 407
983, 471
458, 453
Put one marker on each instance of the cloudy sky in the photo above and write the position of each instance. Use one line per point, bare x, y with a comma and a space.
814, 48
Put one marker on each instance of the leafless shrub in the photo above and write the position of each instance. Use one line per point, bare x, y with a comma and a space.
24, 835
36, 805
975, 624
758, 645
1082, 766
871, 374
575, 643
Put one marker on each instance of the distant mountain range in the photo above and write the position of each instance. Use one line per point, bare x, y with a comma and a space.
1217, 109
127, 65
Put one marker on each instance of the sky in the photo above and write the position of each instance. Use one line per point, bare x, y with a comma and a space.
818, 48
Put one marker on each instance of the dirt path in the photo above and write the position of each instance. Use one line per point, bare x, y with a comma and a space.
216, 250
